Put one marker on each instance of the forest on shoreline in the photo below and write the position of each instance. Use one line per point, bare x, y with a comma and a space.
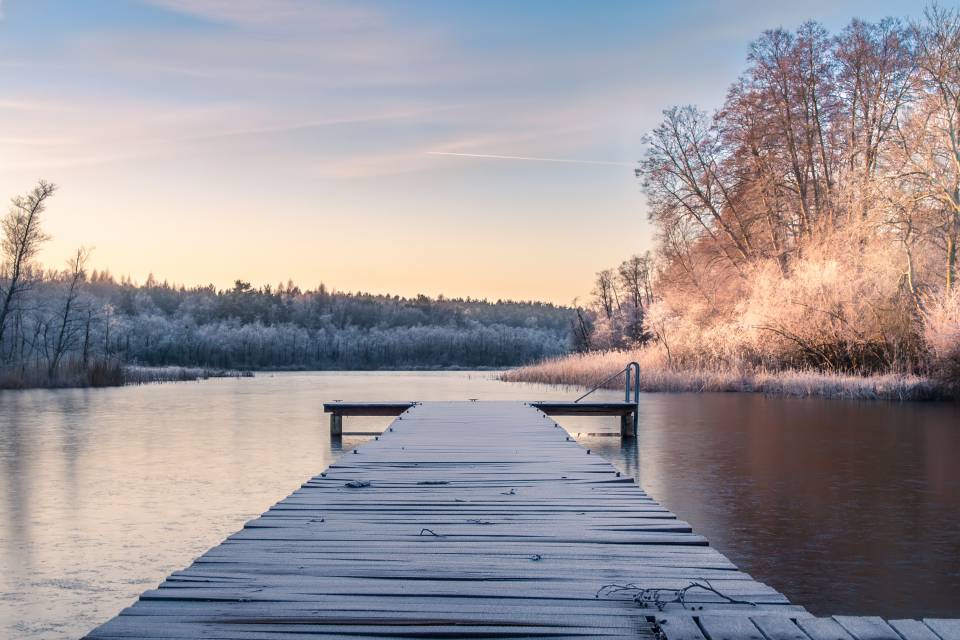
82, 327
807, 231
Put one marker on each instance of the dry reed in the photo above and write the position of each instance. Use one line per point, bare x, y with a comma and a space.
586, 369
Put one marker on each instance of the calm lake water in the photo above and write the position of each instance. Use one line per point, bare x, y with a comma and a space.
847, 507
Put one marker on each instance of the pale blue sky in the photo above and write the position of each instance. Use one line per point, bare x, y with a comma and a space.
208, 140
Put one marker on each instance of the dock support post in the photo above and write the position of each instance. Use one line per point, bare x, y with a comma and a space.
628, 426
336, 425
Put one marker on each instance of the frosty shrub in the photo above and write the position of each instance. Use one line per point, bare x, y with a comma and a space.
941, 331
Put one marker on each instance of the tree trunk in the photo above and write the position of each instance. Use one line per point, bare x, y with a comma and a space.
952, 253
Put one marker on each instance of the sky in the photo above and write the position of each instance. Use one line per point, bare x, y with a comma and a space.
480, 149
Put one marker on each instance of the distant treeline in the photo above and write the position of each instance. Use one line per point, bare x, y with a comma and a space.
285, 327
74, 327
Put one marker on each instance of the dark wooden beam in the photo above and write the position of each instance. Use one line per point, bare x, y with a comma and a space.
552, 408
367, 408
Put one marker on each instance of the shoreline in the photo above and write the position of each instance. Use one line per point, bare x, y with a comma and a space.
581, 371
584, 370
134, 375
111, 375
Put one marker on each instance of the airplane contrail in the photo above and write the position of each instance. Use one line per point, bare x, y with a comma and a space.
534, 159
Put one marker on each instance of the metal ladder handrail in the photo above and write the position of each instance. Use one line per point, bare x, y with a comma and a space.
633, 366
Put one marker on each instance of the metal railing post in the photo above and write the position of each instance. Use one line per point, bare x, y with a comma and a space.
632, 372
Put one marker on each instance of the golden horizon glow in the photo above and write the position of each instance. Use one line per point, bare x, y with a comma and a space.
436, 148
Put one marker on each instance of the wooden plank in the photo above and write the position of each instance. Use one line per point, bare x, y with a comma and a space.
367, 408
946, 629
913, 630
553, 408
824, 629
867, 628
679, 628
779, 628
729, 628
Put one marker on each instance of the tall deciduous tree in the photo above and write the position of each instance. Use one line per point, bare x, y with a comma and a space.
67, 325
22, 237
932, 142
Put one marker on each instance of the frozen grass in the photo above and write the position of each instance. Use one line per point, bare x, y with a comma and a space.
589, 368
100, 372
104, 373
133, 374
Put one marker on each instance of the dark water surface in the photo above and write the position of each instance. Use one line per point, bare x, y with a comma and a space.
847, 507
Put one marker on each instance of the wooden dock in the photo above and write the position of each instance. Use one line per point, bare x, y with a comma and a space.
476, 520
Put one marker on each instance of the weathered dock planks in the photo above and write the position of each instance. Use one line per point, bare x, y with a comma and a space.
479, 520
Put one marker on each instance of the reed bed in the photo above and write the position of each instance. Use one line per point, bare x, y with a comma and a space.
99, 372
134, 374
104, 372
586, 369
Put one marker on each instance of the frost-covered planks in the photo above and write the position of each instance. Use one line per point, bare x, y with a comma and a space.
801, 626
867, 628
913, 630
461, 520
946, 629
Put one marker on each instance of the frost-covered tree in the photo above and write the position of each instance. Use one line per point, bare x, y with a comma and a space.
21, 240
814, 219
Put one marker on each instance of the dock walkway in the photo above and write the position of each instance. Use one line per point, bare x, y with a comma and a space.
475, 520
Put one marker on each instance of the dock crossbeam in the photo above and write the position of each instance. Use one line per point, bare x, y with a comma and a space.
627, 411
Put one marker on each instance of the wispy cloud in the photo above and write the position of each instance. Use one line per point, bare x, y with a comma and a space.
284, 14
493, 156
